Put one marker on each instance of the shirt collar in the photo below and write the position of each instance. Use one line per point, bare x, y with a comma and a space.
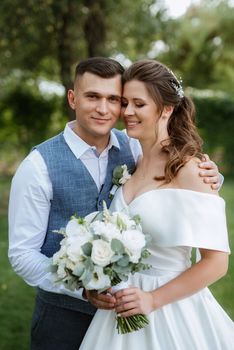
79, 146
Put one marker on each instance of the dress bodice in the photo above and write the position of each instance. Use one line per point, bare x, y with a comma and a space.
177, 220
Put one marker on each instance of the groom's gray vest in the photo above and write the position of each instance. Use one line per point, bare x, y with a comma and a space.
75, 192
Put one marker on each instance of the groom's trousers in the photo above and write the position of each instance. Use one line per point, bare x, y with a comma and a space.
57, 328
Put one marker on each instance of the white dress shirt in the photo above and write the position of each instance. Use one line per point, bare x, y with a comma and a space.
29, 208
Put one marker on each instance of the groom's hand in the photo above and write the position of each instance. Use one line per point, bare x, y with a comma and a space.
210, 172
100, 301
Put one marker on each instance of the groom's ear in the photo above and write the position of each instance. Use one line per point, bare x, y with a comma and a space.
71, 99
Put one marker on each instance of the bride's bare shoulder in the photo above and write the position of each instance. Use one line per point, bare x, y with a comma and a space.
189, 178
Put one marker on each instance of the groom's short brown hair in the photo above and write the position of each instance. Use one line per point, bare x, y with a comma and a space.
104, 67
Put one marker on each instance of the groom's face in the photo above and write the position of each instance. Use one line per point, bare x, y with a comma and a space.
97, 104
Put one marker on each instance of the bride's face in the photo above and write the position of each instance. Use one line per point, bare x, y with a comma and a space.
139, 111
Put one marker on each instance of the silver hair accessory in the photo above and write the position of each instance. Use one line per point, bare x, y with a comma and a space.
178, 88
177, 84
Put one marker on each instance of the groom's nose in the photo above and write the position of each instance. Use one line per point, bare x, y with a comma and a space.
102, 106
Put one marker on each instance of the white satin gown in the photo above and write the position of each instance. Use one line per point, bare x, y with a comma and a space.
176, 220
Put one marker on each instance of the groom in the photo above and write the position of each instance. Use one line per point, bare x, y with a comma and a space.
70, 173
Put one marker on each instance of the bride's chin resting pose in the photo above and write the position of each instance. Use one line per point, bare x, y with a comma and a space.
179, 212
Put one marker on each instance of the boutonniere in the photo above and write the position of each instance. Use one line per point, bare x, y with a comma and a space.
119, 178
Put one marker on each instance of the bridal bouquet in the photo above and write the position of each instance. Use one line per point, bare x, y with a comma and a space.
100, 251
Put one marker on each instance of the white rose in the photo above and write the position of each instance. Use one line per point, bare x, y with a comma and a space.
106, 230
134, 241
101, 252
99, 280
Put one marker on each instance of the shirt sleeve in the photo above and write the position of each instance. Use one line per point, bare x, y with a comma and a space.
29, 208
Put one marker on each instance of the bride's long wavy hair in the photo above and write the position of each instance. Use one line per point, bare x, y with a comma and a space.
165, 89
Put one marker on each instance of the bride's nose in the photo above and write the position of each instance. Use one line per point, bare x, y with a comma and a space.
128, 110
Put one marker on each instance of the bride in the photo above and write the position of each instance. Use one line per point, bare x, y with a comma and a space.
179, 211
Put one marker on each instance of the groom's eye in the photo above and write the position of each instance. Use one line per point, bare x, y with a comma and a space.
92, 96
114, 99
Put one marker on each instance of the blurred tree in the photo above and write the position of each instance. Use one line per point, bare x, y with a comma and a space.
25, 114
200, 45
215, 120
48, 37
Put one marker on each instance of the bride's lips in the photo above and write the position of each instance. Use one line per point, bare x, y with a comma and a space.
131, 123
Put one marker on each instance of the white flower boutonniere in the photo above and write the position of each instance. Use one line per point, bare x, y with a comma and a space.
120, 177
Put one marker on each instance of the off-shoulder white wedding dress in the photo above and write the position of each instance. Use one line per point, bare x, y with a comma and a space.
176, 220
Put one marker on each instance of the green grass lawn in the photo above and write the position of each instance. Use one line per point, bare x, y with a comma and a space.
223, 289
16, 298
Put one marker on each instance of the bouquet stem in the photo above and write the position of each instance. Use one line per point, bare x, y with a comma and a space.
131, 323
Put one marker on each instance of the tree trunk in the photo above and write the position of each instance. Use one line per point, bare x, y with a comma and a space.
95, 28
65, 55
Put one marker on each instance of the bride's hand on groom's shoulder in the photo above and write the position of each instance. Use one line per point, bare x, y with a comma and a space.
100, 300
133, 301
210, 172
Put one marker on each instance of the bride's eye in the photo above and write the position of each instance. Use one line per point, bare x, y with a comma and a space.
140, 105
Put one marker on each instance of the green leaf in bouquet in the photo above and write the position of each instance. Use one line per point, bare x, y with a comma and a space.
123, 277
139, 267
89, 264
87, 279
78, 270
124, 261
72, 284
95, 237
117, 246
137, 219
86, 276
87, 248
109, 272
145, 254
116, 257
121, 269
52, 268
